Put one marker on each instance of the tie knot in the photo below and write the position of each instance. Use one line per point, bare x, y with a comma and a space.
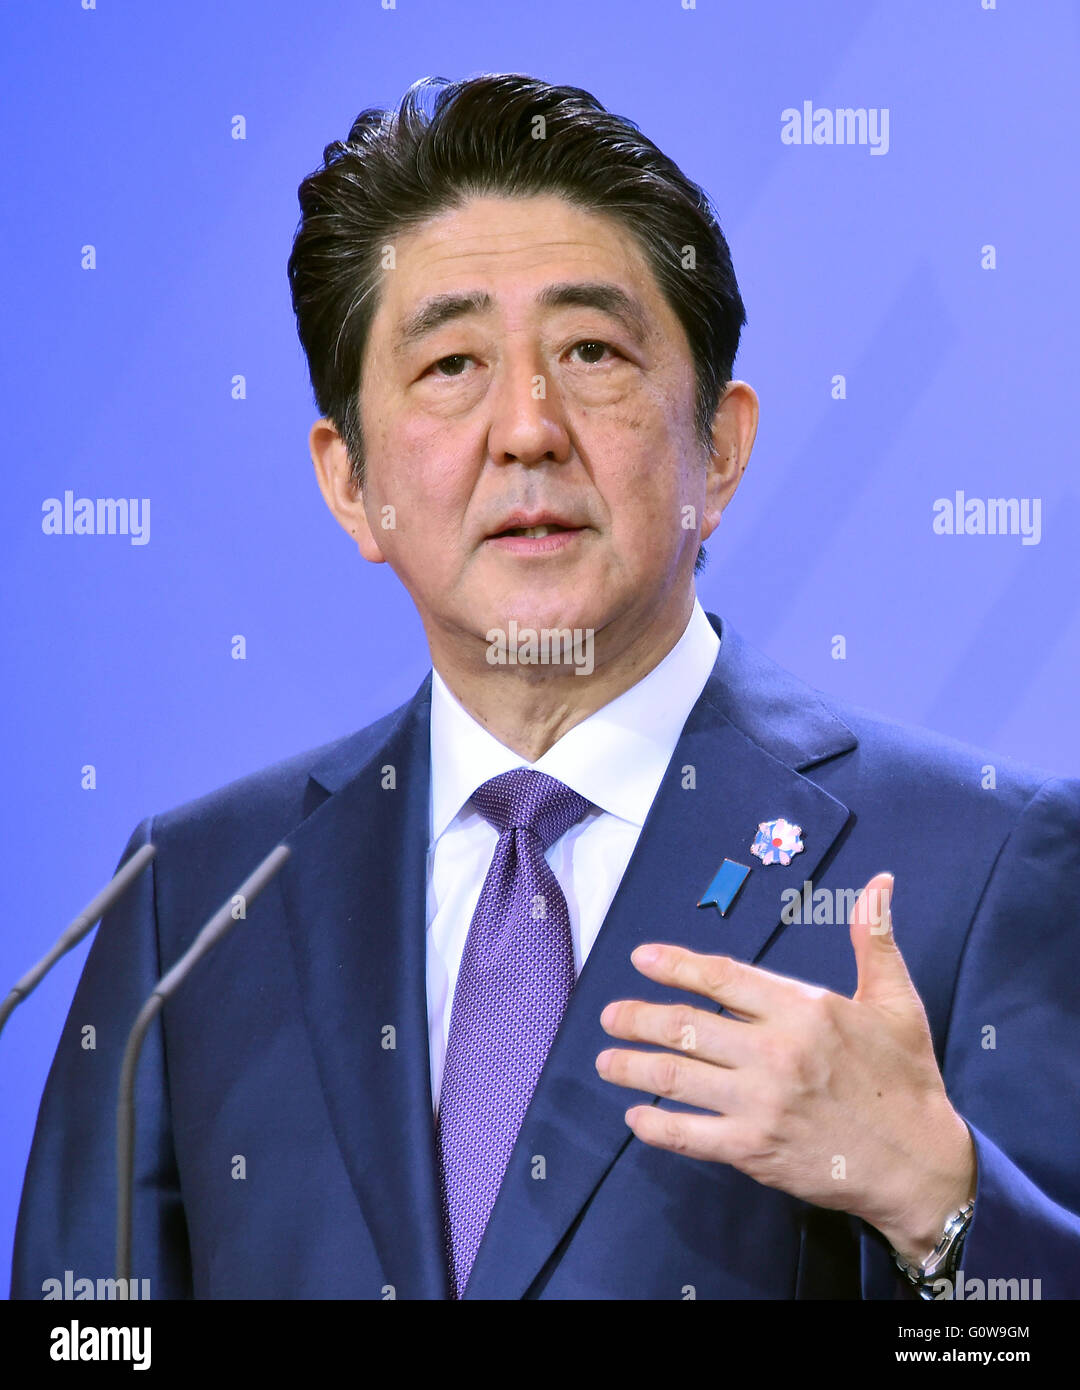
527, 800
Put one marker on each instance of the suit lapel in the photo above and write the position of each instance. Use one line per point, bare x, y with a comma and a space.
736, 764
354, 892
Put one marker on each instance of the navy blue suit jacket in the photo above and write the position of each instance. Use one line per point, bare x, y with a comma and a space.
277, 1049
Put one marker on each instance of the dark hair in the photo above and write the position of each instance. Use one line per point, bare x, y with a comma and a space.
486, 136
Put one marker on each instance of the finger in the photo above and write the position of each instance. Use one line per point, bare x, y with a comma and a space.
693, 1032
678, 1078
882, 976
712, 1137
746, 990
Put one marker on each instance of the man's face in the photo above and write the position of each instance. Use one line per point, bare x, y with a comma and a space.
523, 368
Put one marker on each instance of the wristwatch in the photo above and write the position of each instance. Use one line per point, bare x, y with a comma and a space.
942, 1261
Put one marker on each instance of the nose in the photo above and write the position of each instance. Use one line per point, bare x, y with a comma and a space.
528, 423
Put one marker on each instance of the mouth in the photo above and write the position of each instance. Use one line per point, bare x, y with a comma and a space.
533, 532
532, 525
535, 536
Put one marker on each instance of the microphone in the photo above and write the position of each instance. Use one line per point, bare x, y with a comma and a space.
206, 940
86, 919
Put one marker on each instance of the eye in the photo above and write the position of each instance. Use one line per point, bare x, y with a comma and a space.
456, 362
592, 346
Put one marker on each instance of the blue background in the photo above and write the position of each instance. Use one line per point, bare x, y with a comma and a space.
117, 382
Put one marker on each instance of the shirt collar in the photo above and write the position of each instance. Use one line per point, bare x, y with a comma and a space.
615, 758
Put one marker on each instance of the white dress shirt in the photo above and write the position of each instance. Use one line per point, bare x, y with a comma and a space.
616, 759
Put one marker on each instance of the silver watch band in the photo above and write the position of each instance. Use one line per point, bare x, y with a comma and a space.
942, 1260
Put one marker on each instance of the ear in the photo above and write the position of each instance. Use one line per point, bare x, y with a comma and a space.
734, 430
341, 495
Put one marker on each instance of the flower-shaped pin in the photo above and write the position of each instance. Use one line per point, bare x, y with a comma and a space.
777, 840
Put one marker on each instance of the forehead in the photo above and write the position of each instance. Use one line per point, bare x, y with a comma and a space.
512, 247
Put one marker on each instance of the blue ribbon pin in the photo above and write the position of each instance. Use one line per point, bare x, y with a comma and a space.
726, 883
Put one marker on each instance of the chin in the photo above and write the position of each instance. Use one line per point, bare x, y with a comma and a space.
549, 610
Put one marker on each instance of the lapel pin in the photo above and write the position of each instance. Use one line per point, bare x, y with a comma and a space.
777, 840
726, 882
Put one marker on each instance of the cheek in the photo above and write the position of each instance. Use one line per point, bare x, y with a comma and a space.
640, 468
648, 430
420, 466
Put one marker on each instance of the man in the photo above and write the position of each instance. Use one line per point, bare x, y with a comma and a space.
448, 1076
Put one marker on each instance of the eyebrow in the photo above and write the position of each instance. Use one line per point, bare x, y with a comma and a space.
587, 294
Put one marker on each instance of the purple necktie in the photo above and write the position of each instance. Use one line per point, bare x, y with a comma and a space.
516, 974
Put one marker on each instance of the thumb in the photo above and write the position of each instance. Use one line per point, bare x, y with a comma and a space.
882, 975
